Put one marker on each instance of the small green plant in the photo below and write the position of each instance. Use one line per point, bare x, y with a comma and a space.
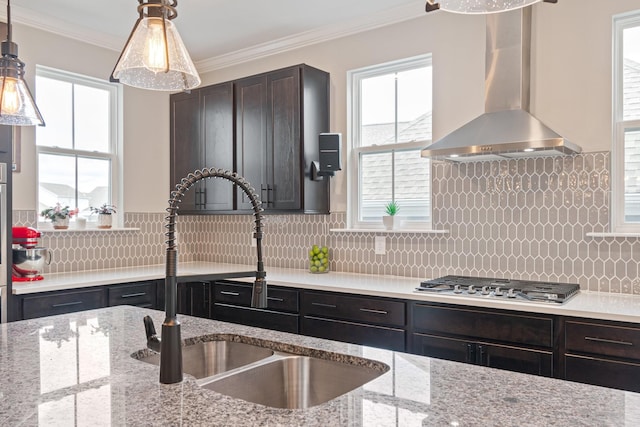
105, 209
58, 212
392, 208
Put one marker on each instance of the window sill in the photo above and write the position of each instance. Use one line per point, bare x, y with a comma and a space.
86, 230
385, 231
614, 234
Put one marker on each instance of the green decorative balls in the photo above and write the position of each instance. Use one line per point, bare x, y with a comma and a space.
319, 259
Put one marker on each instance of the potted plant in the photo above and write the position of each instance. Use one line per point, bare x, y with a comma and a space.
391, 210
104, 215
59, 215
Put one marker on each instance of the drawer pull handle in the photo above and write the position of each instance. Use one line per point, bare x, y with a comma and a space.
370, 310
607, 341
319, 304
137, 294
66, 304
275, 299
233, 294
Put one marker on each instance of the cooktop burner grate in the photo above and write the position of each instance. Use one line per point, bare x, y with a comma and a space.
523, 290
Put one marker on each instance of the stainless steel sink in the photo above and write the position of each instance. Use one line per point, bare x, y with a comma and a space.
205, 359
271, 377
292, 381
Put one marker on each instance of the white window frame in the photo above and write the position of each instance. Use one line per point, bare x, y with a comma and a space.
354, 77
618, 223
115, 138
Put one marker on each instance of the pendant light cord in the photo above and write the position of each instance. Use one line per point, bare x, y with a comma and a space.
9, 20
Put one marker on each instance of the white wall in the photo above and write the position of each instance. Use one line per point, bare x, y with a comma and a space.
146, 124
571, 85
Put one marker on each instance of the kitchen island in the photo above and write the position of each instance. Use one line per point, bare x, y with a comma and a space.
78, 369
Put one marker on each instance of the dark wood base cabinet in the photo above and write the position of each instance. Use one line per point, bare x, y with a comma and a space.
510, 358
601, 353
493, 338
589, 351
41, 304
232, 303
378, 322
356, 333
257, 317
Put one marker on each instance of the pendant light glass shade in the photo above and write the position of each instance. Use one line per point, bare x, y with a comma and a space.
479, 6
17, 107
155, 57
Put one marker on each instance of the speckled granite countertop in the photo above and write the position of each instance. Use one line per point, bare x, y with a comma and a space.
77, 369
596, 305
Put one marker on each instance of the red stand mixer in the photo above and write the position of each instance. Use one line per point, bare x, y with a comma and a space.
28, 259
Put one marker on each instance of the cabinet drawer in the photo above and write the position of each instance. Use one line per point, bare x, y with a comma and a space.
356, 333
607, 373
369, 310
240, 294
605, 340
138, 294
504, 327
260, 318
511, 358
67, 302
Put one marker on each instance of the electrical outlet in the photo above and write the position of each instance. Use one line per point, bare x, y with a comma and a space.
254, 243
381, 245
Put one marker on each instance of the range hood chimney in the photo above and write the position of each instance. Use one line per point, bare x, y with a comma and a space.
506, 129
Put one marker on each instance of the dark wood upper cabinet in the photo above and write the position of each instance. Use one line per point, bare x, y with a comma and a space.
251, 136
264, 127
217, 138
185, 142
202, 137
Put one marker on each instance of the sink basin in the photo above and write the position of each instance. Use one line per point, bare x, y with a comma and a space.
205, 359
293, 381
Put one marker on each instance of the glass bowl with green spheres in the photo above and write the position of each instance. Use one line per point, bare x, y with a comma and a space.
319, 259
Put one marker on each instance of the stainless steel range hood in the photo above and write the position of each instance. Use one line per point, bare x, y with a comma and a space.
506, 129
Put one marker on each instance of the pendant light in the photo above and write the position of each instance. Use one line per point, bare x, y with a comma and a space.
480, 6
17, 107
154, 56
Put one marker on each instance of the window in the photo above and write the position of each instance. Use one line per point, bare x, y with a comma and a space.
77, 149
390, 123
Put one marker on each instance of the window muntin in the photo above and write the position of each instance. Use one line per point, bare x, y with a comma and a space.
77, 150
391, 122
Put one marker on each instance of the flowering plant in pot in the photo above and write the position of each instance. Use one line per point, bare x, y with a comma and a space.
59, 215
391, 209
104, 214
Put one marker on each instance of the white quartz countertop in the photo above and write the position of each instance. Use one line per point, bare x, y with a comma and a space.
77, 369
596, 305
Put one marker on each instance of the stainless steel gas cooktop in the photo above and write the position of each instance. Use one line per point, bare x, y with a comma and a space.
502, 289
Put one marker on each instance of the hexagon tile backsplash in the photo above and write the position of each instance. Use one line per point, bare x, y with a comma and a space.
523, 218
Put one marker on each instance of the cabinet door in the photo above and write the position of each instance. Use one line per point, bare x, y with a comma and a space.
217, 134
516, 359
260, 318
603, 372
251, 136
284, 174
356, 333
444, 348
186, 146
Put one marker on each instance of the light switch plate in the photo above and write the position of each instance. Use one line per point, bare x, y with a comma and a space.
254, 243
381, 245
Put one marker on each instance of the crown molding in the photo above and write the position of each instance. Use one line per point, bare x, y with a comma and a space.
414, 9
399, 14
32, 18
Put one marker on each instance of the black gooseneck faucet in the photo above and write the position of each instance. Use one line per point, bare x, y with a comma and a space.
171, 343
